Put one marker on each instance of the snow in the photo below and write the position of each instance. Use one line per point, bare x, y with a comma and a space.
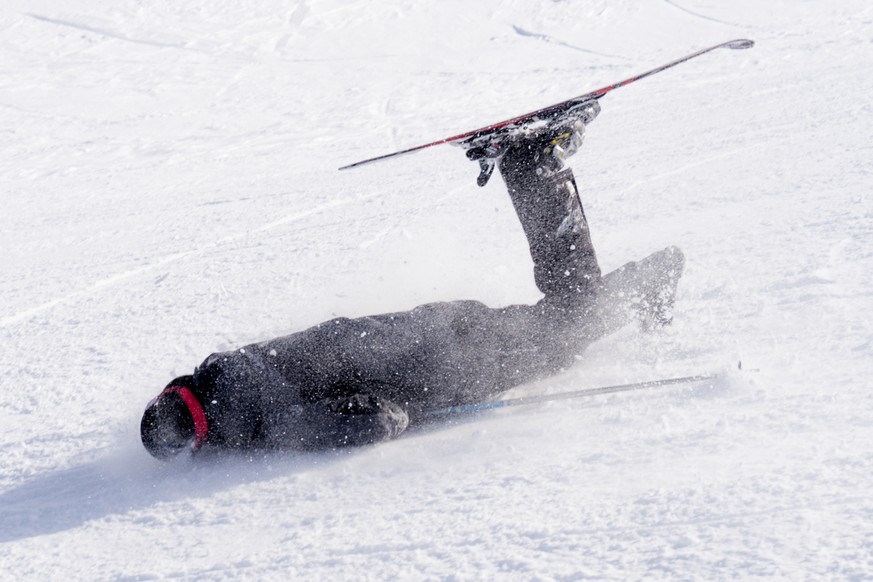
169, 189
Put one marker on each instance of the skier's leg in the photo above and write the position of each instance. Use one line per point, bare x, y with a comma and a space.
550, 211
585, 305
643, 290
579, 306
541, 339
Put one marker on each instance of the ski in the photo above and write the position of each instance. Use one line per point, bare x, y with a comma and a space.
472, 138
482, 406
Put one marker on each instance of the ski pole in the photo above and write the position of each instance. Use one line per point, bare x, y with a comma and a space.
478, 407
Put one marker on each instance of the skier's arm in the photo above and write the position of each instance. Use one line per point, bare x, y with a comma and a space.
357, 420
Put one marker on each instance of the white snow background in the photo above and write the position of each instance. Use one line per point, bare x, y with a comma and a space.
169, 189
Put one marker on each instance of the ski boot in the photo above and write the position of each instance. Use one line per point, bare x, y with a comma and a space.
554, 140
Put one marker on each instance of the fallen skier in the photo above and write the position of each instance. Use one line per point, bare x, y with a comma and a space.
361, 381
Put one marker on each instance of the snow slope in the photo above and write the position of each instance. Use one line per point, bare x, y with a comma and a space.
169, 189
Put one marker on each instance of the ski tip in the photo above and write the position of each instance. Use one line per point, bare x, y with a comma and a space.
741, 43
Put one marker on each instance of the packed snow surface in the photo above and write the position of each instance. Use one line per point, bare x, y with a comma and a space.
169, 189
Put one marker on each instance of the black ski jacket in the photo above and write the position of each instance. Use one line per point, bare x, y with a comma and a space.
354, 381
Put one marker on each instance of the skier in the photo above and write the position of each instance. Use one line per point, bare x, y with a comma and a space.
361, 381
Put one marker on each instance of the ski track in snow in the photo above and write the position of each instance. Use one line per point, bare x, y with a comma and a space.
121, 277
170, 189
545, 38
106, 33
705, 17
